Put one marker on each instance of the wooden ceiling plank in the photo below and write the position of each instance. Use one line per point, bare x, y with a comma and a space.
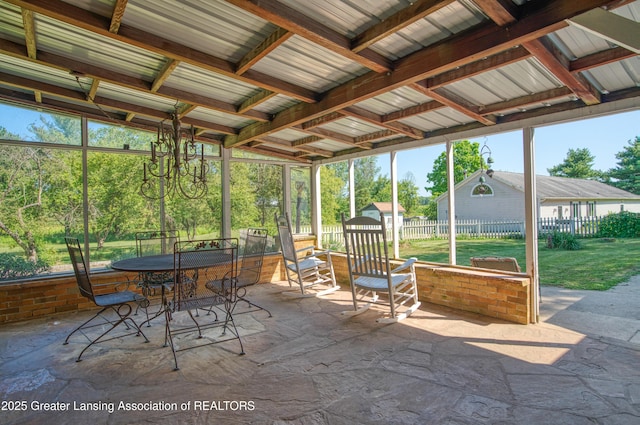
290, 19
403, 18
116, 17
461, 105
558, 65
333, 116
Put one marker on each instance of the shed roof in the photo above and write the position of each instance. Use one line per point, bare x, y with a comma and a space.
322, 81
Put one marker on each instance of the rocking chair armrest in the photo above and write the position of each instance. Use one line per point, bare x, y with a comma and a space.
405, 265
314, 252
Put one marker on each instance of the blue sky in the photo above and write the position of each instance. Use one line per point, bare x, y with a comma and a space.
603, 136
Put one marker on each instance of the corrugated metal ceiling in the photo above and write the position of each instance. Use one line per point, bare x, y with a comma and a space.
279, 72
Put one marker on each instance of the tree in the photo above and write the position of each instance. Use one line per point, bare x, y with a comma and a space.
626, 175
408, 195
578, 164
466, 160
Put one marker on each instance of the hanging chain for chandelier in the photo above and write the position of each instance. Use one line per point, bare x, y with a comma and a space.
177, 165
485, 151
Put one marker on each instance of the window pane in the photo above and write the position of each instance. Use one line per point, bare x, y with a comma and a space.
113, 136
37, 126
300, 199
40, 205
198, 218
256, 196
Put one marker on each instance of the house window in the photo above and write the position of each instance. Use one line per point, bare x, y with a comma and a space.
560, 215
621, 207
482, 189
591, 209
575, 209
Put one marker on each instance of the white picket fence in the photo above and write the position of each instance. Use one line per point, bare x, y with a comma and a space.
428, 229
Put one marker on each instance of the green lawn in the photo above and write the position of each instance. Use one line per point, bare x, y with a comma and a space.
600, 264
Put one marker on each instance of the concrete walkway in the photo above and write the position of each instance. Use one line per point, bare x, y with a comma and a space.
309, 364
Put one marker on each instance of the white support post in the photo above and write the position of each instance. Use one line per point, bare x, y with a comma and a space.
316, 207
394, 204
451, 183
286, 195
352, 189
226, 193
85, 189
531, 220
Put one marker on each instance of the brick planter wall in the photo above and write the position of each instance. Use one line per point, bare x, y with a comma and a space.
498, 294
55, 295
502, 295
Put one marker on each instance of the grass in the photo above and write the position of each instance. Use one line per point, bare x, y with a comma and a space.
600, 265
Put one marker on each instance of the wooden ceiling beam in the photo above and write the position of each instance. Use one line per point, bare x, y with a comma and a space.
392, 24
268, 45
76, 16
290, 19
255, 100
603, 57
558, 65
164, 73
502, 12
59, 62
412, 111
541, 18
116, 17
375, 119
453, 101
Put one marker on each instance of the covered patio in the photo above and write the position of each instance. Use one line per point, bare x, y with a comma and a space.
303, 85
308, 364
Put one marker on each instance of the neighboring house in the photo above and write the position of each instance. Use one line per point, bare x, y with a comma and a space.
502, 198
374, 209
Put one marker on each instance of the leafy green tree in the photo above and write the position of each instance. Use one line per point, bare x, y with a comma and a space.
21, 191
466, 160
408, 194
578, 164
626, 175
332, 195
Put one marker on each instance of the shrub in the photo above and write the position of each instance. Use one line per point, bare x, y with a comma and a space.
624, 224
563, 240
14, 266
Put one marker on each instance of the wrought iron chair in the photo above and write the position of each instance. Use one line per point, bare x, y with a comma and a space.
306, 267
154, 242
252, 258
116, 301
370, 272
204, 279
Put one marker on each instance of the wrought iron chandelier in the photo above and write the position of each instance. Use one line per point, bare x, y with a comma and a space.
177, 165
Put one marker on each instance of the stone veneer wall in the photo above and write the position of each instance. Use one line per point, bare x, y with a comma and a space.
502, 295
